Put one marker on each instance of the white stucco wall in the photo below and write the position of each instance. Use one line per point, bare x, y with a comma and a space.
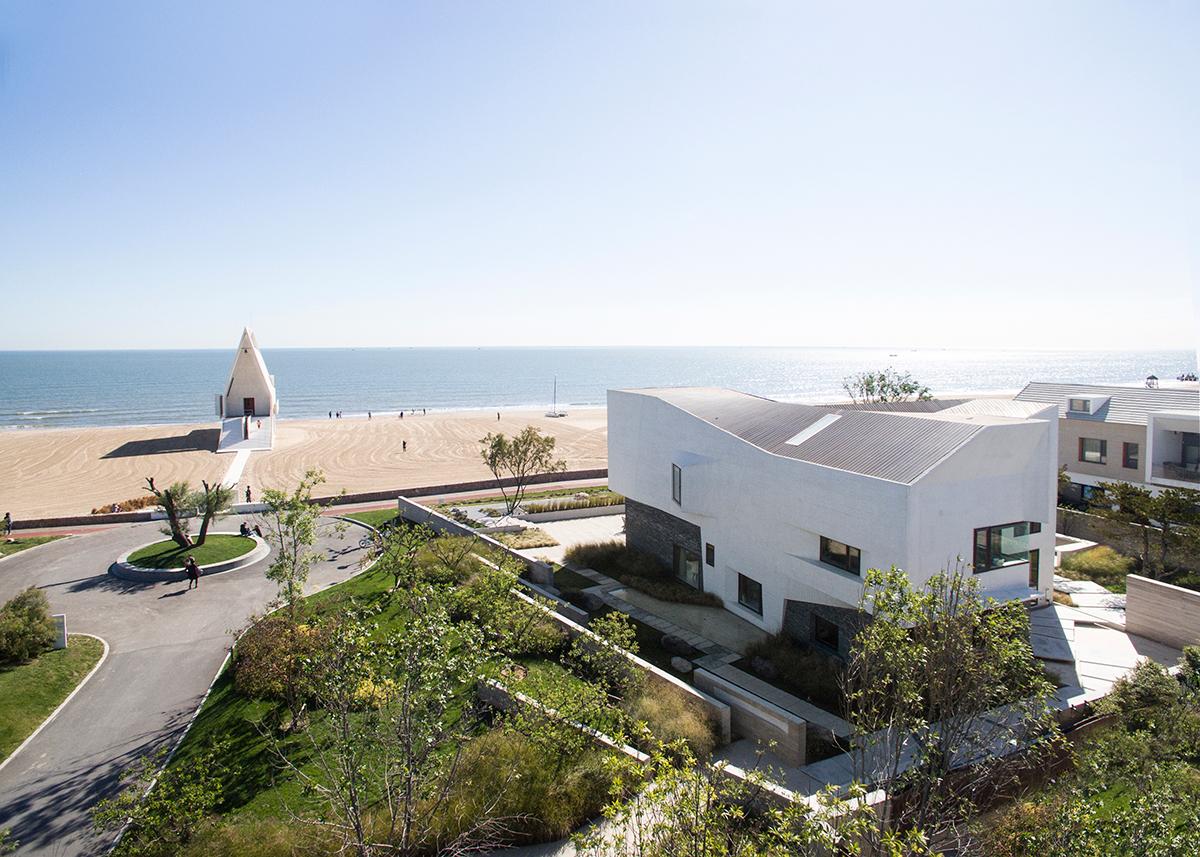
765, 514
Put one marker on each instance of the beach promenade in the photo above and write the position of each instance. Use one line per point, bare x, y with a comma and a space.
45, 473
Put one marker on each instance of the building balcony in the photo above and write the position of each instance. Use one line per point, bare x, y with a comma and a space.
1176, 472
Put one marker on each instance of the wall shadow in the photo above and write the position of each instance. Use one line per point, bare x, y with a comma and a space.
197, 440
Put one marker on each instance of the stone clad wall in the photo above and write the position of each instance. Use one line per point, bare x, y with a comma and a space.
1162, 612
656, 532
798, 622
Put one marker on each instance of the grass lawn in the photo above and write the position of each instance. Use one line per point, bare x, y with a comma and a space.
167, 554
29, 692
527, 539
373, 517
8, 548
529, 495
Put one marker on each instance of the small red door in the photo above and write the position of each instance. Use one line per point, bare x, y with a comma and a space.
248, 406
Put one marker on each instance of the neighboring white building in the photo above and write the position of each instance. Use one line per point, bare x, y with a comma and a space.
779, 509
251, 389
1144, 435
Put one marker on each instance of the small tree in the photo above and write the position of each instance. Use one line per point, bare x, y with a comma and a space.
211, 501
923, 674
165, 818
291, 526
518, 459
1177, 511
885, 386
175, 501
1129, 504
399, 550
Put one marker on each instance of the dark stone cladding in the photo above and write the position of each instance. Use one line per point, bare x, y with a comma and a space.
656, 532
798, 618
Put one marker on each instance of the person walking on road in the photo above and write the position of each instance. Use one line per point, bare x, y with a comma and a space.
193, 572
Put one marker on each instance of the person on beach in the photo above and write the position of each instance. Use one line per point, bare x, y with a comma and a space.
497, 416
404, 446
248, 500
402, 413
6, 527
331, 414
193, 572
368, 414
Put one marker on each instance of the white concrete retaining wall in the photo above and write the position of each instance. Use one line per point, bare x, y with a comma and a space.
126, 570
1162, 612
754, 717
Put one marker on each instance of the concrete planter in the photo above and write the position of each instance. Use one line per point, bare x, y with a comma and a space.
126, 570
572, 514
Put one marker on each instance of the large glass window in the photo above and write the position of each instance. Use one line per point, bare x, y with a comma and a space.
676, 483
1190, 450
1080, 406
1129, 455
687, 566
750, 594
1008, 544
1093, 450
841, 555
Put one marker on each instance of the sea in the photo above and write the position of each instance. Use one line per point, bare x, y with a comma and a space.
58, 389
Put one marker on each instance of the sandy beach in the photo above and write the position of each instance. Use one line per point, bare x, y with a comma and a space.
71, 471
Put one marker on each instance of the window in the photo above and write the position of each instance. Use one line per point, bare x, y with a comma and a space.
750, 594
843, 556
1189, 450
1129, 455
710, 554
1079, 406
1092, 450
825, 633
687, 566
1008, 544
676, 484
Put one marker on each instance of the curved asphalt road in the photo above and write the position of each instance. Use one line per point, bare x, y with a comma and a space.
166, 644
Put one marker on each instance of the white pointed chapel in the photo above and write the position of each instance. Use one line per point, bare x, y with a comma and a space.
251, 389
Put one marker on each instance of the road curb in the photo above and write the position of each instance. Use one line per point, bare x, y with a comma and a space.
63, 704
35, 547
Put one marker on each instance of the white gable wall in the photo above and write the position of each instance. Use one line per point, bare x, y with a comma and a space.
249, 379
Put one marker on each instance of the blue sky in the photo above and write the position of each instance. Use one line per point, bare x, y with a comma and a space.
1018, 174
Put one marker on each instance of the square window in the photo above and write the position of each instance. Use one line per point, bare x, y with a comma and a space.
1008, 544
1080, 406
1129, 455
710, 554
750, 594
841, 555
676, 484
825, 633
1093, 450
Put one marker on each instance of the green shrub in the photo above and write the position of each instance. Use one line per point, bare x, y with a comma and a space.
638, 570
26, 628
538, 795
1148, 693
1101, 564
671, 715
541, 638
267, 655
801, 670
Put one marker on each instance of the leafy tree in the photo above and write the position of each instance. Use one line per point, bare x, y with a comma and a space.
1128, 504
290, 522
884, 386
210, 502
26, 627
165, 818
922, 674
600, 657
399, 550
519, 459
175, 501
1177, 511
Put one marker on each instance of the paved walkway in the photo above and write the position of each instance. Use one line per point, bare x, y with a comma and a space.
166, 645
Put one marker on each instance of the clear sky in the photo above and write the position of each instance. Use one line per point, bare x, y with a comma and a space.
1018, 174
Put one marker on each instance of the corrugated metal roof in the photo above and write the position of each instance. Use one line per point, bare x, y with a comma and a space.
1128, 405
927, 406
894, 446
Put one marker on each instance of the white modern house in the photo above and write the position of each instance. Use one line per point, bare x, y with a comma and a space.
1148, 436
779, 509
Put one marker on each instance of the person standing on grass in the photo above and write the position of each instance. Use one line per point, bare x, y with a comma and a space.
193, 572
6, 527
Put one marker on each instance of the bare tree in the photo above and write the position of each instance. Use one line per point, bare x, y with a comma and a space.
517, 460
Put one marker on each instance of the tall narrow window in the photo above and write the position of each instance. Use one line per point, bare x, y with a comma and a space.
750, 594
677, 484
825, 633
843, 556
710, 554
687, 567
1129, 455
1093, 450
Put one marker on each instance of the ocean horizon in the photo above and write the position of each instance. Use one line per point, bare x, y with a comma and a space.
60, 389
